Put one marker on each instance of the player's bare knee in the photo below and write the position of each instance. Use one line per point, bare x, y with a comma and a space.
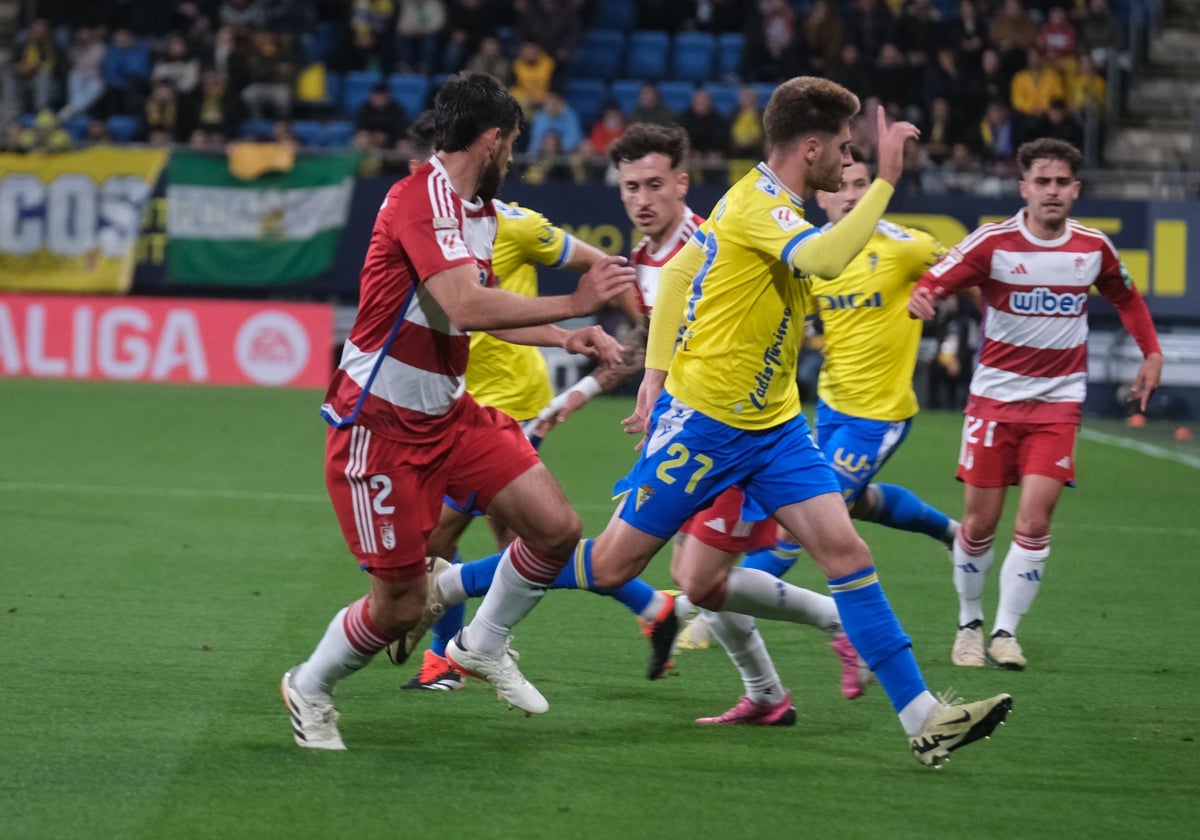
558, 533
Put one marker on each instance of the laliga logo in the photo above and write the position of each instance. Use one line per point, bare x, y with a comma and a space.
271, 348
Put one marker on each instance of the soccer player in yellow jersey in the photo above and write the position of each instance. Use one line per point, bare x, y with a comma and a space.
865, 394
724, 410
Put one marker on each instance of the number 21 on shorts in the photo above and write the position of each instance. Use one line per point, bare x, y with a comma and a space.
971, 436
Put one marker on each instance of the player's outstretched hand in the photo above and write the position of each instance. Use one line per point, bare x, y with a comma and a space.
891, 145
595, 343
638, 423
1148, 378
606, 279
921, 304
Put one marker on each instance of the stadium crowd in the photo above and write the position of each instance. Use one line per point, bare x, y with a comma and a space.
978, 76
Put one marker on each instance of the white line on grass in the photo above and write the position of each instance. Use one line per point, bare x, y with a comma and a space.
1144, 448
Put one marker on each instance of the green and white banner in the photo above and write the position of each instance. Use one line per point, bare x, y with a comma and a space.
276, 229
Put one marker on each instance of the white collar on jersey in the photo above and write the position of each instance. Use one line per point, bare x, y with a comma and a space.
766, 170
1044, 243
477, 204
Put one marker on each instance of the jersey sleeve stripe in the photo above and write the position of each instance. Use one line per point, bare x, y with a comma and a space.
568, 249
794, 243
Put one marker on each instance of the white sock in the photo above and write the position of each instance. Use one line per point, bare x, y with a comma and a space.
1020, 579
334, 659
970, 575
651, 611
450, 585
510, 599
914, 715
739, 635
757, 593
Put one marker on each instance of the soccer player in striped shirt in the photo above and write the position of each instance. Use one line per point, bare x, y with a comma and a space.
1026, 397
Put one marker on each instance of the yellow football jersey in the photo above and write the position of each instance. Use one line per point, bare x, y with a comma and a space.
744, 316
513, 377
870, 341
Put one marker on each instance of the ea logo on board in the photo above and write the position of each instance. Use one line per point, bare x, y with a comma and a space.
271, 348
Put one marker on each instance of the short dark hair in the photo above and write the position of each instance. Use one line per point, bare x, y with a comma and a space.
1048, 148
420, 135
806, 105
641, 139
469, 104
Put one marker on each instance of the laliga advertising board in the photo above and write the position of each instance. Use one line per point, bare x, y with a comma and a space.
166, 340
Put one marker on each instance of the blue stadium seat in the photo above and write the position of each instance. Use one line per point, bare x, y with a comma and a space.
616, 14
676, 94
318, 42
724, 97
646, 54
625, 93
123, 128
338, 133
308, 132
764, 91
356, 87
410, 90
729, 53
252, 129
692, 57
77, 126
586, 97
599, 54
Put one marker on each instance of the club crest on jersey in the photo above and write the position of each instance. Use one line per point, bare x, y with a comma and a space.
786, 218
1080, 264
644, 494
873, 259
387, 535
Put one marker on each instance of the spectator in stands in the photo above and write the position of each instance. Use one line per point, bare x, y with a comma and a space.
864, 134
774, 47
126, 73
381, 122
290, 17
1034, 87
552, 162
960, 173
707, 130
968, 32
533, 73
97, 132
994, 138
897, 84
992, 83
945, 79
177, 66
650, 108
919, 31
559, 118
716, 15
941, 131
823, 35
162, 115
44, 136
489, 59
1101, 35
745, 129
469, 23
248, 14
218, 112
609, 126
271, 69
85, 81
1013, 33
419, 31
1059, 123
1056, 40
554, 25
371, 37
869, 24
850, 71
10, 137
956, 327
283, 134
1088, 94
228, 56
29, 81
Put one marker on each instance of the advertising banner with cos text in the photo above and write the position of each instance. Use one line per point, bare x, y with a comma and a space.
69, 222
166, 340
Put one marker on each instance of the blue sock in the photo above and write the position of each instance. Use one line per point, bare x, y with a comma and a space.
450, 622
577, 574
902, 508
877, 635
477, 575
775, 560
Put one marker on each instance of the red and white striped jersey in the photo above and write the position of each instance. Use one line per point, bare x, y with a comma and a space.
649, 264
1033, 360
402, 368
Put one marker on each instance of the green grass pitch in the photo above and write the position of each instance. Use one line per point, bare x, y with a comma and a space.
167, 552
